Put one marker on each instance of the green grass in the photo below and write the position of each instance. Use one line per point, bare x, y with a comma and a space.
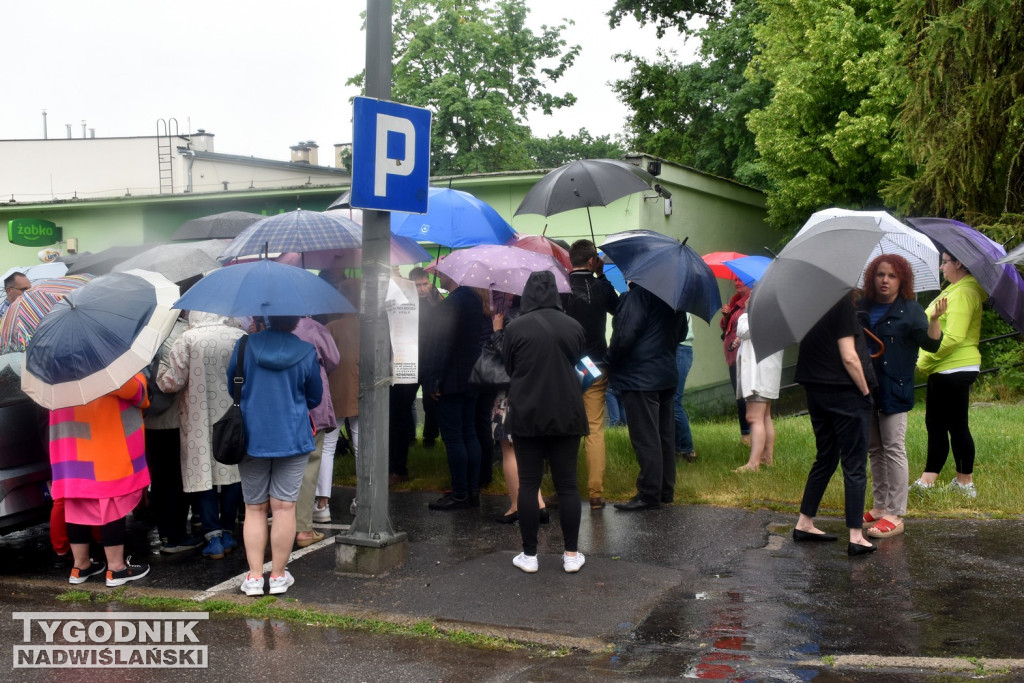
999, 468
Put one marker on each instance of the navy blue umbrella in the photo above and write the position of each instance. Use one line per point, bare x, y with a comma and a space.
97, 337
667, 268
262, 288
453, 219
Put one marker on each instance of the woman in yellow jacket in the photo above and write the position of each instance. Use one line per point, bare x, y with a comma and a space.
951, 371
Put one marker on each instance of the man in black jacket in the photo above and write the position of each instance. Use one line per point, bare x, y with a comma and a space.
592, 299
460, 321
642, 361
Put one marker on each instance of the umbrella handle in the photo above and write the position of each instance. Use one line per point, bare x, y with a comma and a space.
881, 344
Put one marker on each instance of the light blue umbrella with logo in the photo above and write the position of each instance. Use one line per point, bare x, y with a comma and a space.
454, 219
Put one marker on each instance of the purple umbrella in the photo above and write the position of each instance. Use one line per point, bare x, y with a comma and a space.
979, 254
498, 267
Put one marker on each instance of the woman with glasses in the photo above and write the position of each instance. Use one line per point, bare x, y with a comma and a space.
951, 371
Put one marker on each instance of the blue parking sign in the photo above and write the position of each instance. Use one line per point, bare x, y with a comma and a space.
390, 156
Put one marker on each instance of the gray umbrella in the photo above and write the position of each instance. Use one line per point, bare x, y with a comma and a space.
225, 225
177, 262
807, 278
103, 262
582, 184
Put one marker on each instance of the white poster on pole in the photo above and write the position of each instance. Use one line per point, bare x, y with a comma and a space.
403, 306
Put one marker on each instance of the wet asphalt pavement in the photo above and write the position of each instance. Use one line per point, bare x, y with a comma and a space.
685, 591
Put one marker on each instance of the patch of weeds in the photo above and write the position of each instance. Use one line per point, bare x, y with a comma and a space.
72, 595
979, 666
829, 660
269, 607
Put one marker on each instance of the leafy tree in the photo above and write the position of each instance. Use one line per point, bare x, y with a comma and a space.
695, 114
665, 14
475, 64
559, 150
826, 137
963, 123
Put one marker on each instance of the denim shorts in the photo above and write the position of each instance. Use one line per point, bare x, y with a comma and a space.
265, 478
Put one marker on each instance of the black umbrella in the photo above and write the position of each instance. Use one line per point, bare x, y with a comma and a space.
583, 184
225, 225
103, 262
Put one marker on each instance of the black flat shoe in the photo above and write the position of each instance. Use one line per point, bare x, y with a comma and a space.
855, 549
637, 503
545, 517
800, 536
507, 519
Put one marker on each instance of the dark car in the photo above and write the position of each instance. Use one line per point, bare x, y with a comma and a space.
24, 452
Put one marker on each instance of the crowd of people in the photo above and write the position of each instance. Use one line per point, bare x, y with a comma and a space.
153, 436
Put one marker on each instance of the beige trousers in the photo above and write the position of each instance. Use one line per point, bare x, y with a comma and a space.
594, 404
304, 505
890, 472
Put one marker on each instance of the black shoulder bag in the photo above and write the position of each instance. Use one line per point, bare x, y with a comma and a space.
229, 440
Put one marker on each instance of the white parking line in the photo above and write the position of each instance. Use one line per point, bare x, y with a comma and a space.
235, 582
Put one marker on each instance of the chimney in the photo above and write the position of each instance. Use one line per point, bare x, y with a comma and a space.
83, 129
69, 130
341, 151
202, 141
314, 156
92, 132
300, 153
44, 125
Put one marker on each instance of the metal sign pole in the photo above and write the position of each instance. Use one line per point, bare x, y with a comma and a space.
360, 549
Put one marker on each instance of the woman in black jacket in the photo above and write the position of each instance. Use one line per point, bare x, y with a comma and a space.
892, 314
546, 417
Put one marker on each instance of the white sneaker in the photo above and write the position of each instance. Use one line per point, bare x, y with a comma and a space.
280, 584
572, 563
921, 487
966, 489
252, 586
322, 514
526, 562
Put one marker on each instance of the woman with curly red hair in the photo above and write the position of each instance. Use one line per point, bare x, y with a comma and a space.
891, 313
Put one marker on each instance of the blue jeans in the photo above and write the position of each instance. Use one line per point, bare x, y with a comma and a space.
684, 439
613, 406
218, 511
456, 419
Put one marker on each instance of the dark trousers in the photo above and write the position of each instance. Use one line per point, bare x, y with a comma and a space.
402, 428
947, 400
111, 533
562, 452
840, 420
219, 510
652, 433
430, 429
741, 405
456, 415
166, 496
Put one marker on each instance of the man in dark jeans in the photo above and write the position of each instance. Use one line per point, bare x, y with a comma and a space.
460, 322
642, 361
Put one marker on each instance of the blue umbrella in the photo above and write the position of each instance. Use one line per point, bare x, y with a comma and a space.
296, 231
453, 219
670, 270
97, 337
614, 275
263, 288
748, 269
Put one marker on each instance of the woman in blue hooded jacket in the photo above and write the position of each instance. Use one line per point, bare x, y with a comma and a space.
282, 384
891, 313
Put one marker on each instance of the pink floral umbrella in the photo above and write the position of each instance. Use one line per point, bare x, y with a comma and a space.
498, 267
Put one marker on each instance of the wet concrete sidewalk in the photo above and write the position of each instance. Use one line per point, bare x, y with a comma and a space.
722, 589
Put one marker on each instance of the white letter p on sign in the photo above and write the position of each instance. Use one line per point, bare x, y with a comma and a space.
384, 164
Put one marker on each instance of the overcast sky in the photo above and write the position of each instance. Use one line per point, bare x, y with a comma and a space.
261, 74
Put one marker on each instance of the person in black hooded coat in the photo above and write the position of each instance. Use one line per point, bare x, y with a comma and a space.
546, 418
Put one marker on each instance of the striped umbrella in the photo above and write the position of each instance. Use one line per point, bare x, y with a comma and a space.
23, 316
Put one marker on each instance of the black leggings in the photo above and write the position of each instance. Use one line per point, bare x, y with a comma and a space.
947, 399
111, 533
561, 452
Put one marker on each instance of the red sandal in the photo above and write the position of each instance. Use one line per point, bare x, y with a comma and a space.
885, 529
869, 518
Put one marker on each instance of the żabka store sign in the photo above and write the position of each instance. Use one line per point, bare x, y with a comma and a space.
102, 640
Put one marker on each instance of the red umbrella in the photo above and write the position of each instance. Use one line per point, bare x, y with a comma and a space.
717, 259
542, 245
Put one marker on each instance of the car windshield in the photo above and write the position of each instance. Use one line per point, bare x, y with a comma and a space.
10, 379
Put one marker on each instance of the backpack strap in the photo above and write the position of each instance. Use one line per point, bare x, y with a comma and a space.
239, 379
